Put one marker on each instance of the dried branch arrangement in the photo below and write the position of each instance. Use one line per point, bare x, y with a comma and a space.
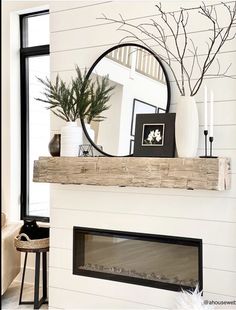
168, 32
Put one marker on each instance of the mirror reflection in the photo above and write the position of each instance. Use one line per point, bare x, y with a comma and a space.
140, 87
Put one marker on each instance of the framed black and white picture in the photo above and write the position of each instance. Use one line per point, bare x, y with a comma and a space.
140, 107
155, 135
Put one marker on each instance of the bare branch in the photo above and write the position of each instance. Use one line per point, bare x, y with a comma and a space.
220, 37
169, 26
221, 75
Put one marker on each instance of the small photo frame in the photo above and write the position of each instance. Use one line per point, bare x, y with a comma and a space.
140, 107
155, 135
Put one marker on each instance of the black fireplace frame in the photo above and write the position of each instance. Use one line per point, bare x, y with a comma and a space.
78, 259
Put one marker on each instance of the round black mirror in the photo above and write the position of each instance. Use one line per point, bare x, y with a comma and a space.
141, 85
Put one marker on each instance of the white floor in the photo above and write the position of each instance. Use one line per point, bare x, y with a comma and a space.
10, 300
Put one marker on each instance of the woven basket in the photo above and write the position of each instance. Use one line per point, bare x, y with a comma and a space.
30, 244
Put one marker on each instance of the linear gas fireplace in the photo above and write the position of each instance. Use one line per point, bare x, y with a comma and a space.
165, 262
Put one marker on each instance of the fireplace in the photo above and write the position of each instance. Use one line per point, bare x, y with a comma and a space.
165, 262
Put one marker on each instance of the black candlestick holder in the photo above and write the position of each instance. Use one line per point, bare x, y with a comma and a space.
205, 134
211, 139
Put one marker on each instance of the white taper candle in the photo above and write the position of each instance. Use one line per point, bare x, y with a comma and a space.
211, 113
205, 109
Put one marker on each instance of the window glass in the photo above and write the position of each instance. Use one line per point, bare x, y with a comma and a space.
39, 134
37, 30
35, 118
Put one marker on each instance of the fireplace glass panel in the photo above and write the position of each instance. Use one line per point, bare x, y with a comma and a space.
140, 259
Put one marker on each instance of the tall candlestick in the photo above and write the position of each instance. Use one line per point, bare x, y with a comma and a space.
211, 114
205, 109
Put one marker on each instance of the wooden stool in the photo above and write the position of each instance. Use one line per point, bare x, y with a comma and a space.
37, 302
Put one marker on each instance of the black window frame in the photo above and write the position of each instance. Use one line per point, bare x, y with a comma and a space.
25, 53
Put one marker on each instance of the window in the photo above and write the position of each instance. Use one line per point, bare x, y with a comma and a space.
35, 119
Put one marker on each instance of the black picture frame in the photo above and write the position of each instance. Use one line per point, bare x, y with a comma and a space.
155, 135
137, 107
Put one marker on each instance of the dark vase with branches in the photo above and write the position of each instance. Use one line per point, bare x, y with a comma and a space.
83, 98
167, 35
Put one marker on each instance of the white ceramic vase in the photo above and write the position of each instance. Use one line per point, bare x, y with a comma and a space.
186, 127
90, 132
71, 138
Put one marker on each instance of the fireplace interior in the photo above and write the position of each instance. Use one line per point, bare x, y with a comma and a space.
166, 262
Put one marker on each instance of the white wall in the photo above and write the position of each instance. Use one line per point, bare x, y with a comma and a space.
77, 37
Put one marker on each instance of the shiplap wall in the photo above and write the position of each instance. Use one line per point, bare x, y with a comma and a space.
78, 37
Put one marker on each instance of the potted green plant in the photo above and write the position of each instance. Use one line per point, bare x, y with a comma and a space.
83, 98
60, 100
91, 97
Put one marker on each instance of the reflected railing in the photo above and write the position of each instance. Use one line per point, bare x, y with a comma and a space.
138, 60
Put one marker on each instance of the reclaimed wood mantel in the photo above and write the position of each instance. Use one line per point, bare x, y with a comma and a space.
185, 173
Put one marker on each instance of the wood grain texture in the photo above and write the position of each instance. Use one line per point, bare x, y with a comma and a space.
185, 173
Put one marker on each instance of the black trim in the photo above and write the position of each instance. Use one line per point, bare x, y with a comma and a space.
24, 26
24, 138
35, 51
37, 13
91, 70
78, 256
25, 53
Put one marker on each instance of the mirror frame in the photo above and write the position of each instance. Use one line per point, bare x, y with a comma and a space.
90, 72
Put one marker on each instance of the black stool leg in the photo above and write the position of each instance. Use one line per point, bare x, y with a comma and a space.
36, 281
44, 275
23, 279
